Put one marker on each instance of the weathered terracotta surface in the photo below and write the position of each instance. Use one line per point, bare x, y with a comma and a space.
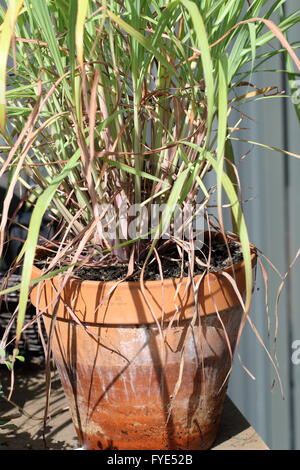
120, 392
118, 372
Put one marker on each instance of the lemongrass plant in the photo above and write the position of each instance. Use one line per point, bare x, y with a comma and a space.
122, 103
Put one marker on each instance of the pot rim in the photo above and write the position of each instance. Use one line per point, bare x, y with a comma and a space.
136, 284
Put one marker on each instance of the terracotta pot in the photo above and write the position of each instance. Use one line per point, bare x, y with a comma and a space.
118, 380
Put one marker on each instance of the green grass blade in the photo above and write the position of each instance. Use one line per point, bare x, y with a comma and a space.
7, 33
29, 247
222, 127
81, 16
40, 13
239, 220
206, 60
142, 40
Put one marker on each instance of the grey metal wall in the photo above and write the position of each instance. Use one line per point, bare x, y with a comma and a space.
273, 180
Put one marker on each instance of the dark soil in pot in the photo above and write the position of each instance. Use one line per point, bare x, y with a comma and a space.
170, 264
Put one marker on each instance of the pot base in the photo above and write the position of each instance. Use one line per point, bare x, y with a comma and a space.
120, 389
206, 441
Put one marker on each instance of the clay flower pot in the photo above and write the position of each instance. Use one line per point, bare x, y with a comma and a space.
119, 374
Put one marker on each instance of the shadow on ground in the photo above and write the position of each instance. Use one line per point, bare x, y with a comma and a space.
59, 434
29, 395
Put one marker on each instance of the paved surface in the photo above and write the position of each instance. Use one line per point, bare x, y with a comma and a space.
235, 432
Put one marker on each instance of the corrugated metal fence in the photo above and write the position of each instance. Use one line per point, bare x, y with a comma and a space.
273, 181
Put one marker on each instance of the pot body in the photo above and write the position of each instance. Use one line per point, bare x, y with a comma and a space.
136, 383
